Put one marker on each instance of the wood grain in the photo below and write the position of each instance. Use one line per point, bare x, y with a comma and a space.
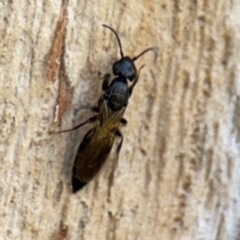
178, 173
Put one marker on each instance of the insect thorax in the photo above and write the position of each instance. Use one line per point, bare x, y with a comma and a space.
117, 94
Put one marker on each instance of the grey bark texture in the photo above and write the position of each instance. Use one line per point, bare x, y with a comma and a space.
177, 176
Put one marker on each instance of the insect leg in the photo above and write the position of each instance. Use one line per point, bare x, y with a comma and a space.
95, 109
124, 121
106, 79
135, 81
119, 134
90, 120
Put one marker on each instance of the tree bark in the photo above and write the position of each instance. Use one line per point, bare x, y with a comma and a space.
178, 173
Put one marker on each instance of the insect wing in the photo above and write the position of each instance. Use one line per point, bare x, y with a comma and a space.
92, 154
95, 147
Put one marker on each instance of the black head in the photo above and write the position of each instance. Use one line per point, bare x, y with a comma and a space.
125, 66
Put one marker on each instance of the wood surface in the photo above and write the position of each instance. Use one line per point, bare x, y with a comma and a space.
177, 176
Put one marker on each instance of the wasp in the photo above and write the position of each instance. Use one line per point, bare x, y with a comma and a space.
96, 145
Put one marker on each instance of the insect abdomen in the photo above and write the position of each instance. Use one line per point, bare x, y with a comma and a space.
91, 156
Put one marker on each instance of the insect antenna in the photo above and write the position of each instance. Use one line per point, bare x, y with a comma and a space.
154, 49
118, 39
